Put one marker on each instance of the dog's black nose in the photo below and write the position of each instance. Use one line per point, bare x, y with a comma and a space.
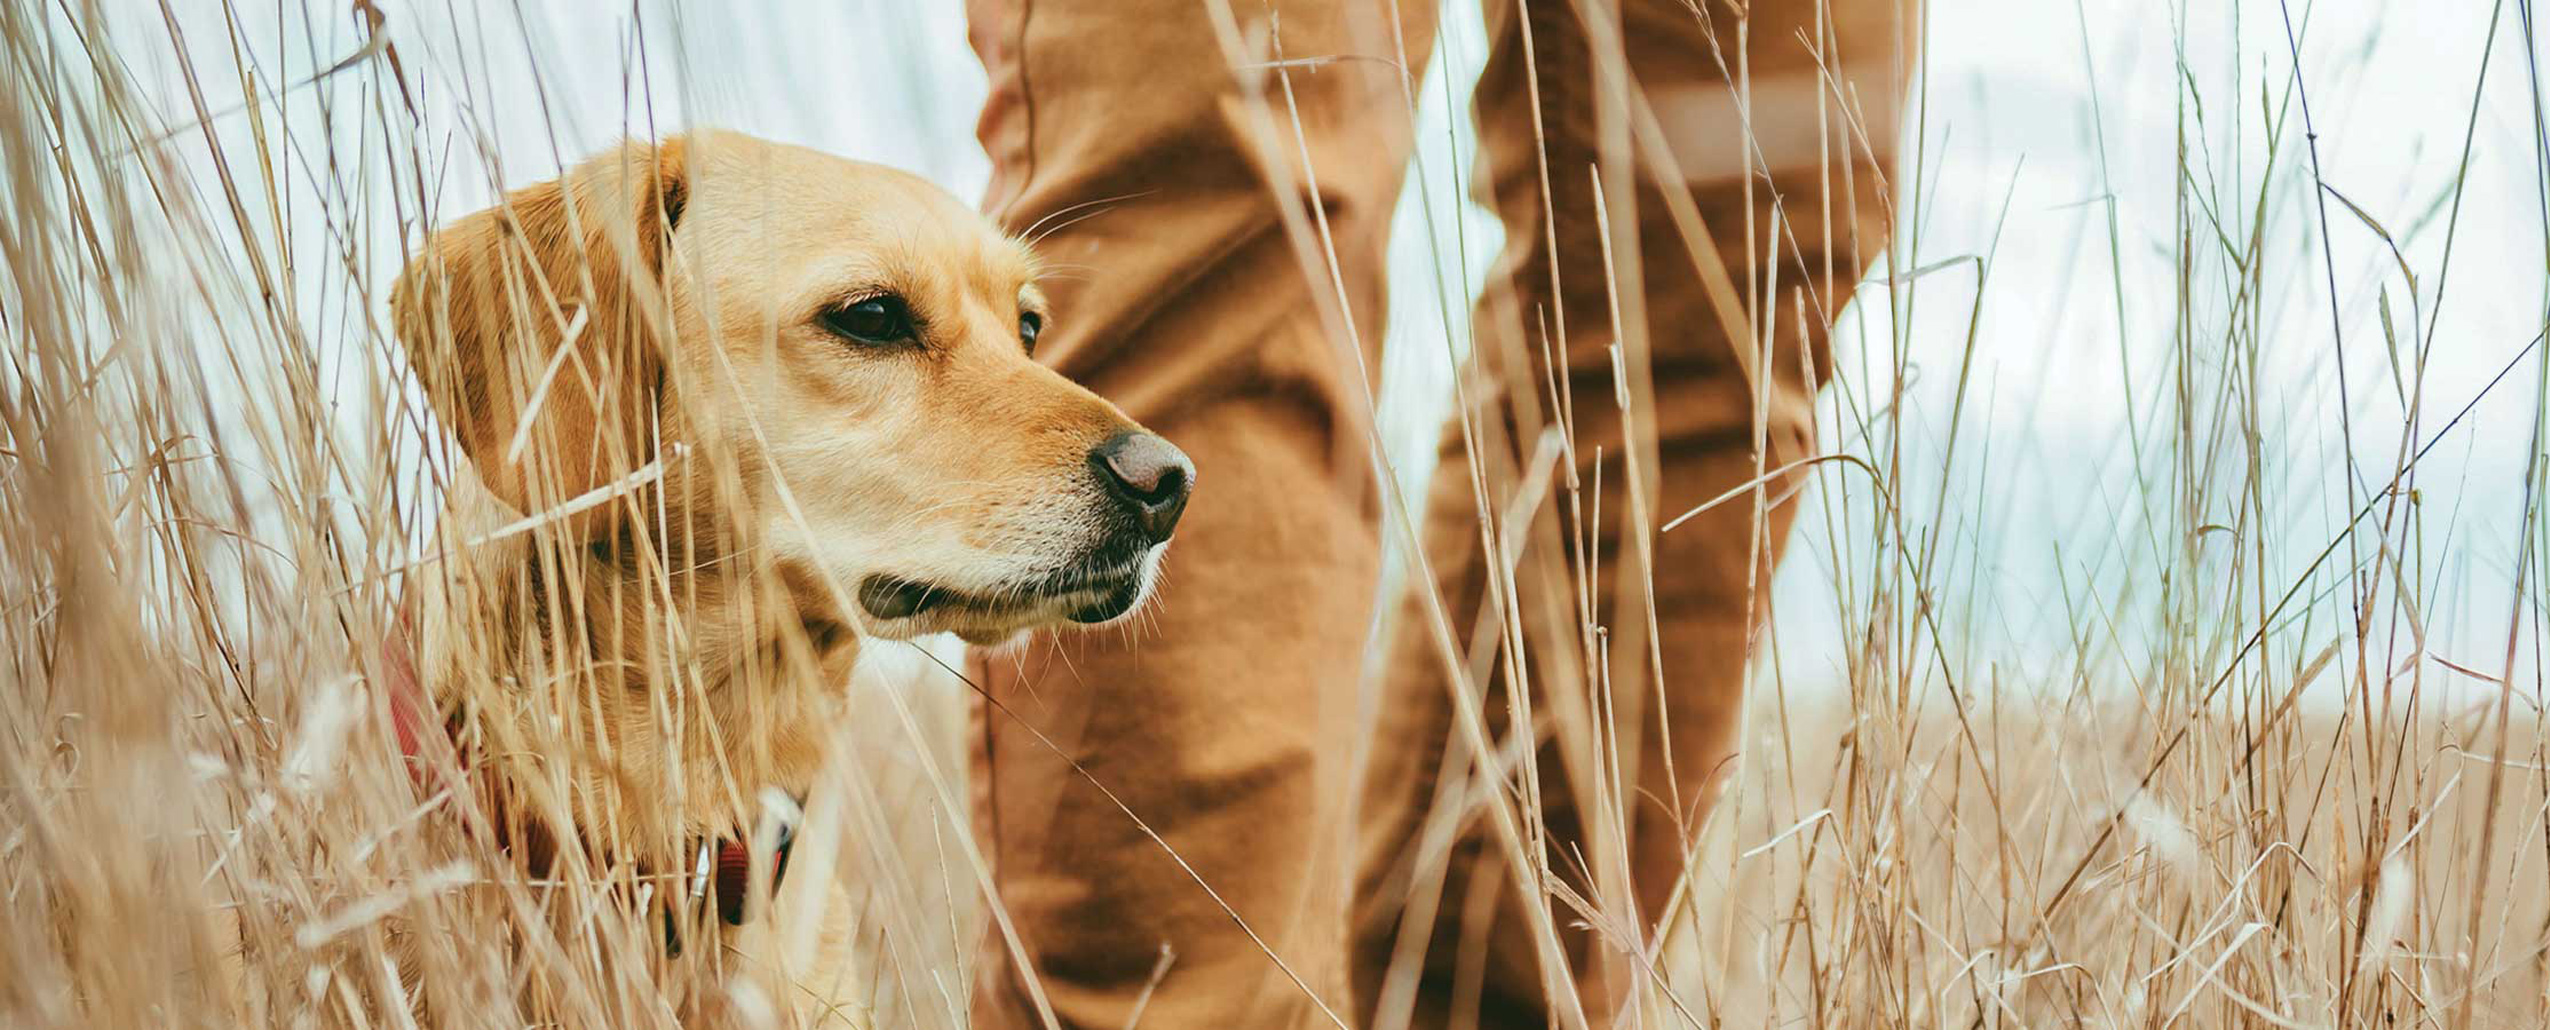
1149, 476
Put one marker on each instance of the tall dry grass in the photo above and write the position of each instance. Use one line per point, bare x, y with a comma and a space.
2241, 789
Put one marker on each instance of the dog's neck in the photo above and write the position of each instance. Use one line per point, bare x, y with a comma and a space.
656, 684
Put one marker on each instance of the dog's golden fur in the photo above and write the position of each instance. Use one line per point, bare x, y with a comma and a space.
682, 473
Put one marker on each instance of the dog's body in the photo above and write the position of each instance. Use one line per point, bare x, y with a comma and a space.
730, 408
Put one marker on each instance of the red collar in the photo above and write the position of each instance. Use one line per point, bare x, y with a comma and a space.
721, 869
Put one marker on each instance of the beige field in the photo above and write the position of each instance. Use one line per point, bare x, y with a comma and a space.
1870, 878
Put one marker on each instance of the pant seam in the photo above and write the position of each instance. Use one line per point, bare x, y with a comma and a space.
1026, 114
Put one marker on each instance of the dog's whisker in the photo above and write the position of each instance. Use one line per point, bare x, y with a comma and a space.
1031, 236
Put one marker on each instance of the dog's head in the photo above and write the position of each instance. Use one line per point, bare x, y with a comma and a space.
852, 341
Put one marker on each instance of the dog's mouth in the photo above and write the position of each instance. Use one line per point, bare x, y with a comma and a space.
1086, 596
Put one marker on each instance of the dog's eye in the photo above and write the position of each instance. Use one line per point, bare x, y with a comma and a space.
1030, 324
874, 320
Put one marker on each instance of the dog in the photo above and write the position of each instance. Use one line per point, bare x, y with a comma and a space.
730, 409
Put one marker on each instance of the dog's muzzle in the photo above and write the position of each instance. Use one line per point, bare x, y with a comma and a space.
1145, 482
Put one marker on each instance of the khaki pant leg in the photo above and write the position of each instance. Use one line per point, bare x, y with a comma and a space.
1168, 194
1443, 937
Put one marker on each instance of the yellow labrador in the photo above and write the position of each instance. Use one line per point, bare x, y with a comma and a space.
733, 407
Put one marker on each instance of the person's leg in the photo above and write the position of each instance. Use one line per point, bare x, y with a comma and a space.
1442, 929
1168, 195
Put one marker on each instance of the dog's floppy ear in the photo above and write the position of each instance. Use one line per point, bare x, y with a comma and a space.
539, 327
